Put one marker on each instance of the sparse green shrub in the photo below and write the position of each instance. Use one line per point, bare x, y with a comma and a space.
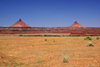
88, 38
45, 35
65, 59
97, 38
54, 41
63, 35
90, 44
45, 39
69, 35
84, 38
20, 35
55, 44
35, 35
39, 60
3, 35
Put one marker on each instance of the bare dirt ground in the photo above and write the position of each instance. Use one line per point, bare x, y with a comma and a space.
36, 52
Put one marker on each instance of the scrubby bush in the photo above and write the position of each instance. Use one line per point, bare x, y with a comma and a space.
45, 35
65, 59
90, 44
35, 35
97, 38
88, 38
20, 35
45, 39
39, 60
54, 41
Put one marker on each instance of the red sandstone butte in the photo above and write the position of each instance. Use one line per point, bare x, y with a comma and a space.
75, 24
19, 24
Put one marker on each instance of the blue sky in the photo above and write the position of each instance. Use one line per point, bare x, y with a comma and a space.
50, 13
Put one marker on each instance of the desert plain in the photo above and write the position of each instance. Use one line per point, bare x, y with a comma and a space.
48, 52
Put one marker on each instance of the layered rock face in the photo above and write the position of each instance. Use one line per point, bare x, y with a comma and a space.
75, 29
38, 30
19, 24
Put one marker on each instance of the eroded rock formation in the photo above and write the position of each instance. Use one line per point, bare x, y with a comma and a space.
19, 24
75, 24
75, 29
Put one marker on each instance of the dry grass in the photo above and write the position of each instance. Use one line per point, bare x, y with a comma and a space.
26, 51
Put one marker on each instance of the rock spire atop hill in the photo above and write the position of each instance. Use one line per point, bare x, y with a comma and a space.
19, 24
75, 24
20, 20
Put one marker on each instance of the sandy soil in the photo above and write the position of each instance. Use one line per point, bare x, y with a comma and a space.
36, 52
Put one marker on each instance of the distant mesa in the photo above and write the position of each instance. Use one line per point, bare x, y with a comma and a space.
75, 24
19, 24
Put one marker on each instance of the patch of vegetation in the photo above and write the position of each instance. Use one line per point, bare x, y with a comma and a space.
8, 61
54, 41
74, 35
21, 35
51, 35
2, 35
55, 44
90, 44
14, 64
45, 39
97, 38
39, 60
88, 38
65, 59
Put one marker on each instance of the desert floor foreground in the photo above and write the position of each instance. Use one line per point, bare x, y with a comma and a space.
36, 52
